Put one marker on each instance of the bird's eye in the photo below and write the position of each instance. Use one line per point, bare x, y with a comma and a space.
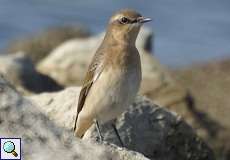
124, 20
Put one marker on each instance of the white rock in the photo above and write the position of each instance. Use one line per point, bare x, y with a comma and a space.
44, 140
144, 127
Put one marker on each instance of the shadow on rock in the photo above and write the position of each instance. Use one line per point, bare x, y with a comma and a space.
209, 124
20, 71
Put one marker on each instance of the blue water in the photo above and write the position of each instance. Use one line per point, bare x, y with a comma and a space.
186, 31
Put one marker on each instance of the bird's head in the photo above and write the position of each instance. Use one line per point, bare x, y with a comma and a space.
125, 25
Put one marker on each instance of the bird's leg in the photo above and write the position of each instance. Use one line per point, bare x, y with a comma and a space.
99, 131
117, 134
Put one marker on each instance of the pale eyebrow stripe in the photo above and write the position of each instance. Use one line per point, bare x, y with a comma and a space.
116, 17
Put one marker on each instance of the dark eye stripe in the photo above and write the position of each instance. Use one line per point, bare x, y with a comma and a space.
125, 20
134, 21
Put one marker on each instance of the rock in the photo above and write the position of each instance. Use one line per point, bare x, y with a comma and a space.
40, 45
73, 56
145, 40
20, 71
209, 83
42, 139
144, 127
158, 85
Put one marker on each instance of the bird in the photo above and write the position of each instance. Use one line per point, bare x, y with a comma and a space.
114, 74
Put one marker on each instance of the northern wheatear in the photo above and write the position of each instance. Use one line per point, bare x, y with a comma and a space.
114, 75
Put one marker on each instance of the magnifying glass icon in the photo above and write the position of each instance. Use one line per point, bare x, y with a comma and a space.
9, 147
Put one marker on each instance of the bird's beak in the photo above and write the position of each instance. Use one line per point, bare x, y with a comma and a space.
144, 20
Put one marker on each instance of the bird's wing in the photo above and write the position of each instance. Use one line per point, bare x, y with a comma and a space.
94, 71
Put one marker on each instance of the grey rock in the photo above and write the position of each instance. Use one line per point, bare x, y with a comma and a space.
144, 127
42, 139
20, 71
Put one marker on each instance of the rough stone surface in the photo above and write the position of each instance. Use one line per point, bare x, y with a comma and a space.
144, 127
209, 82
44, 140
158, 85
68, 63
20, 71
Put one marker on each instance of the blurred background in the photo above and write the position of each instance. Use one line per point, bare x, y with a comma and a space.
186, 31
46, 45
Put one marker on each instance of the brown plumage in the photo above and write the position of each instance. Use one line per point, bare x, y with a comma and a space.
114, 75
